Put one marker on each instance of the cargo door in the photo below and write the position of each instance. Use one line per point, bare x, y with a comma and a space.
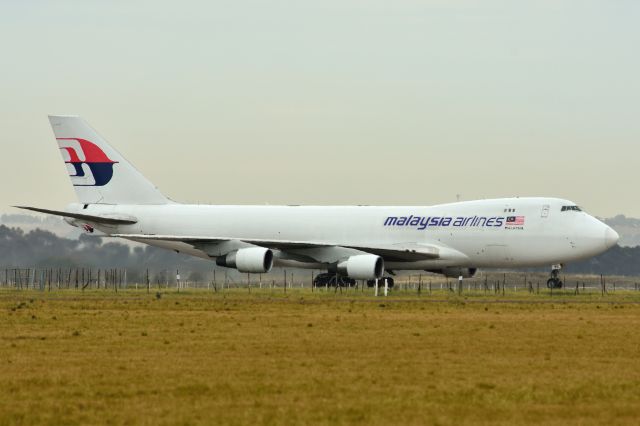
497, 255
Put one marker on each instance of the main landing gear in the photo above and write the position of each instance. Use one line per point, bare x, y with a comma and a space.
554, 281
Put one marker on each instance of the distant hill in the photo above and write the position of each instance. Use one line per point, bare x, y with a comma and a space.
615, 261
43, 249
628, 228
52, 224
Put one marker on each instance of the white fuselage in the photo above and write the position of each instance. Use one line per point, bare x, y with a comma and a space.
540, 232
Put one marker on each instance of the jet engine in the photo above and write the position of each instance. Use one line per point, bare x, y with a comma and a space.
362, 267
455, 272
255, 260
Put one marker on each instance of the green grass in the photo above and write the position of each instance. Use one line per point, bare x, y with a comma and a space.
197, 357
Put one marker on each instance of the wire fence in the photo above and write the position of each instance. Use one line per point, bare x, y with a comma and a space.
118, 279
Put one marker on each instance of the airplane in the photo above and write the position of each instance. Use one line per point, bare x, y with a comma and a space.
359, 242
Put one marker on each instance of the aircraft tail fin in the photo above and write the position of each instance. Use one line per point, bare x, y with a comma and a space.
98, 172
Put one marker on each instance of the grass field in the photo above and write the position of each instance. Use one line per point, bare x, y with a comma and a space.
196, 357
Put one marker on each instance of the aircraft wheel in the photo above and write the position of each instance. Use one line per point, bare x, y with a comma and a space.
554, 283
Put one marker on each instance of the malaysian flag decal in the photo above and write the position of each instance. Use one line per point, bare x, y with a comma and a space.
515, 221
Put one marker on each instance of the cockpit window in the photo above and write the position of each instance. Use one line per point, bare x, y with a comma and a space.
571, 208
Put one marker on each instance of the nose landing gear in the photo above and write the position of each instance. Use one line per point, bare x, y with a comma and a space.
555, 281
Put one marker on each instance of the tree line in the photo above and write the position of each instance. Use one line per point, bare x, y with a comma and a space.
43, 249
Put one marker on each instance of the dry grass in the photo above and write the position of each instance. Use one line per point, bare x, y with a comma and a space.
303, 358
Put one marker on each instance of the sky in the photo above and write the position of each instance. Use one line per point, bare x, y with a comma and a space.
330, 102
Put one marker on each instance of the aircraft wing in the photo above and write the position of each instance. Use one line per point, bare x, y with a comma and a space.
319, 251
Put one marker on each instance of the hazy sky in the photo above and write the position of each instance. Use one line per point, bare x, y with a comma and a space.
332, 101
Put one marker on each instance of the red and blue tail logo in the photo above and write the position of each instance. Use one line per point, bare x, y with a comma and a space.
100, 166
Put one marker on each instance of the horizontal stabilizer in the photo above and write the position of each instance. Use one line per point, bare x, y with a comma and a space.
107, 220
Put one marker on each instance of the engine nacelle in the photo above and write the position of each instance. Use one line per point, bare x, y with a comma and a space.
455, 272
256, 260
362, 267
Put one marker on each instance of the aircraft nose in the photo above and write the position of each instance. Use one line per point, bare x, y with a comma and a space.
611, 237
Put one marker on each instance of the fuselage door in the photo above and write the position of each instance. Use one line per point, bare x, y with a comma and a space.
545, 211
